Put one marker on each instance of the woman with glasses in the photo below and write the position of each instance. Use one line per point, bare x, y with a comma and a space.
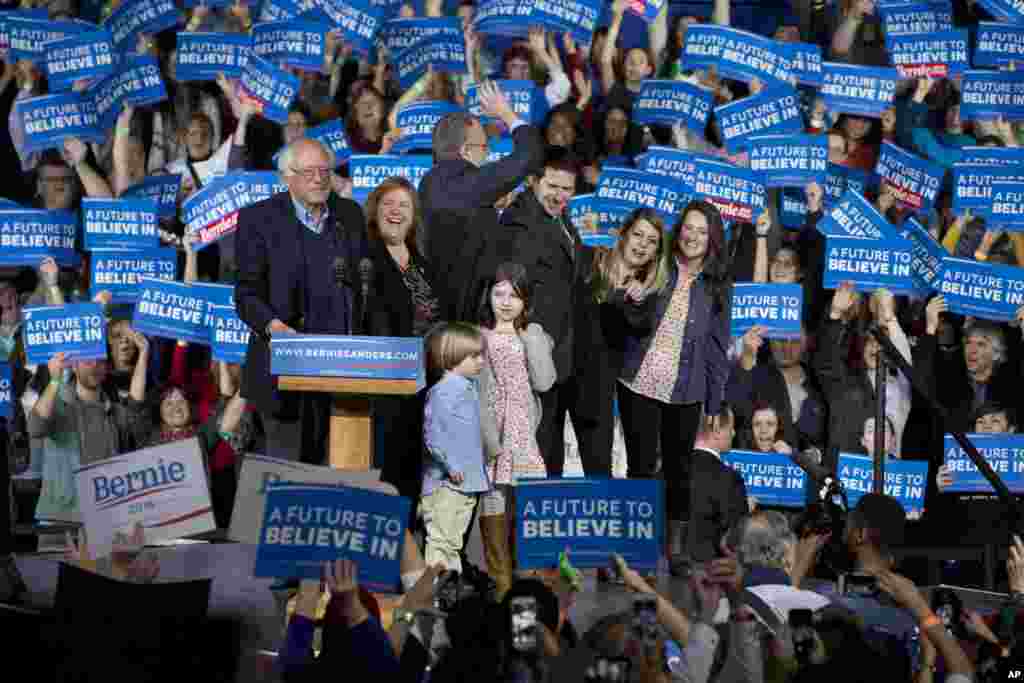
675, 373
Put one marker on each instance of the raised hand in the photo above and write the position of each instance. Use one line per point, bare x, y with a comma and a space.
844, 300
932, 311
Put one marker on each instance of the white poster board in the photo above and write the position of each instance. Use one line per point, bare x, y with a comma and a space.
164, 488
257, 470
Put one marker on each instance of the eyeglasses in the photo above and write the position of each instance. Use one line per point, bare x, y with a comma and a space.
57, 180
311, 174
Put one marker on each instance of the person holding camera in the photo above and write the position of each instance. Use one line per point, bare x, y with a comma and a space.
874, 529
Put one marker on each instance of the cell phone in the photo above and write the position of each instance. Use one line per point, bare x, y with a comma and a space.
645, 621
855, 583
523, 612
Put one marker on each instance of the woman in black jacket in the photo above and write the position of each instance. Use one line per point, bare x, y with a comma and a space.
405, 302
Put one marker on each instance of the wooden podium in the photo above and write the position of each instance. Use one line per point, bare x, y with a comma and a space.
353, 384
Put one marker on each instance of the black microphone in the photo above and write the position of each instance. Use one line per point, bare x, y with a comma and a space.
365, 282
809, 461
340, 268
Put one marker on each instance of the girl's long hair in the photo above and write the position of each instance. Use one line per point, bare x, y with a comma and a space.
516, 274
715, 268
609, 264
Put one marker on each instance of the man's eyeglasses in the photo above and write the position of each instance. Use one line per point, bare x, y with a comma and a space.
311, 174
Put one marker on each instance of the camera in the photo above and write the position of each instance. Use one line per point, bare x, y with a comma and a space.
644, 628
858, 584
826, 515
950, 609
523, 613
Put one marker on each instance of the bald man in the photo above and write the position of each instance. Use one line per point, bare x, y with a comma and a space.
298, 262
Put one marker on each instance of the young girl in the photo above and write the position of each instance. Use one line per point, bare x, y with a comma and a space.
453, 472
517, 367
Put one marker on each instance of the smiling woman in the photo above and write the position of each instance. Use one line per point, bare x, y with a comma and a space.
405, 302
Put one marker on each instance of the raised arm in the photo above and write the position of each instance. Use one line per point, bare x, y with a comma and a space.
607, 62
94, 184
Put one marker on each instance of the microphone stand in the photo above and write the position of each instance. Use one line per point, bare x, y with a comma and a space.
889, 351
881, 423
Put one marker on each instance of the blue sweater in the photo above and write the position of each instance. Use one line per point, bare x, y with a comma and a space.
703, 365
453, 436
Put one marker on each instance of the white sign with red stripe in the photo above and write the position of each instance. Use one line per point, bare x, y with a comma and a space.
164, 488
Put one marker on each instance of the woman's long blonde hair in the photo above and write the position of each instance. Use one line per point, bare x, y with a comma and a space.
609, 265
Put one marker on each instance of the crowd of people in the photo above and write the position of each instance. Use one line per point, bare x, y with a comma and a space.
531, 332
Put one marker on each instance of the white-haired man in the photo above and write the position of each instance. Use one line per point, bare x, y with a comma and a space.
298, 258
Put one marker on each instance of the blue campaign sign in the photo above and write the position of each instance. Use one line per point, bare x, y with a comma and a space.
135, 17
417, 121
325, 355
503, 17
772, 478
678, 163
1004, 453
27, 38
991, 95
444, 51
520, 94
279, 10
77, 330
739, 194
914, 181
1007, 209
776, 111
806, 64
120, 223
27, 236
905, 480
998, 44
121, 271
645, 9
942, 54
212, 212
306, 525
272, 89
1009, 11
136, 82
841, 180
50, 119
6, 392
858, 90
790, 160
229, 336
916, 17
984, 290
592, 518
172, 310
972, 184
928, 255
869, 264
607, 216
671, 102
300, 44
778, 308
369, 170
359, 20
400, 34
854, 216
201, 56
577, 17
162, 189
332, 135
992, 156
640, 189
792, 209
83, 56
736, 54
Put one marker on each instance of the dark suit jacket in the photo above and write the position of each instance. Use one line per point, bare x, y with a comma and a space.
537, 241
718, 498
462, 223
390, 308
270, 266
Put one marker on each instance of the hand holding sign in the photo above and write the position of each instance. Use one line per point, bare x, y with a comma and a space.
932, 311
843, 301
56, 366
494, 103
752, 341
